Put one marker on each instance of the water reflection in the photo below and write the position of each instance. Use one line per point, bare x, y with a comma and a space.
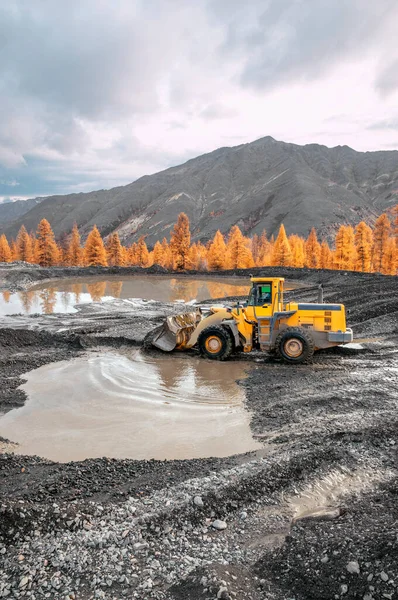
63, 295
131, 406
96, 290
77, 290
115, 288
48, 300
27, 300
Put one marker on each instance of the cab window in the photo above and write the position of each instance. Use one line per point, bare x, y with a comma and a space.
260, 294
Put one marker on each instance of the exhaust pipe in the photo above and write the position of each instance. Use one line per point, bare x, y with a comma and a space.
320, 293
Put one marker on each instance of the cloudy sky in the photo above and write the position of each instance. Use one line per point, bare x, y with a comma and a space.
96, 93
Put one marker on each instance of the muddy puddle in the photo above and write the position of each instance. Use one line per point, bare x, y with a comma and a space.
61, 296
132, 406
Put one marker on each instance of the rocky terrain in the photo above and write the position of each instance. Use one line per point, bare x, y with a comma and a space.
10, 211
257, 185
312, 515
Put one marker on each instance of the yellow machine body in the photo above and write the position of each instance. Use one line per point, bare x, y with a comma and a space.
265, 322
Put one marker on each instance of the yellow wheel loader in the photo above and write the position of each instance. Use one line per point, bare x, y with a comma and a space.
294, 331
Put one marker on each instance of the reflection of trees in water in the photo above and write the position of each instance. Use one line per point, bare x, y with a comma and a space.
181, 289
48, 299
66, 298
96, 290
216, 290
27, 299
77, 289
223, 290
200, 380
6, 296
240, 290
115, 288
170, 374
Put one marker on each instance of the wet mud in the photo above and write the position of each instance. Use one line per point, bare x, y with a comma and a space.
311, 516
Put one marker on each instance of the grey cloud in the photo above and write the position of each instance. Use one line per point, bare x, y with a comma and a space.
281, 40
86, 56
71, 68
387, 81
385, 124
217, 111
92, 61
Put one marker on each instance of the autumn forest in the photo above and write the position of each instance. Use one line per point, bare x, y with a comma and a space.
363, 248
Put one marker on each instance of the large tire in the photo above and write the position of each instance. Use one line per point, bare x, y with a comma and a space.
294, 345
216, 343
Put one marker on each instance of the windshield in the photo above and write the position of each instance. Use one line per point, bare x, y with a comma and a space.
260, 294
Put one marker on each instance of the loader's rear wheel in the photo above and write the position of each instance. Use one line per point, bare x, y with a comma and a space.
294, 345
216, 342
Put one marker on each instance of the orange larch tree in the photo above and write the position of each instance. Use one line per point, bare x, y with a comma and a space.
168, 262
312, 250
180, 242
158, 258
281, 253
47, 250
381, 235
363, 247
24, 246
5, 251
264, 251
297, 246
255, 247
114, 251
34, 245
239, 253
326, 260
14, 249
395, 212
195, 257
202, 249
390, 261
94, 250
74, 256
63, 244
142, 254
217, 253
132, 254
345, 254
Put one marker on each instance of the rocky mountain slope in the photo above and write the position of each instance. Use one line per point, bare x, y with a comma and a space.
257, 185
10, 211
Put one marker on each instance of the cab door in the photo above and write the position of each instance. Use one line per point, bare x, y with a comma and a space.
260, 301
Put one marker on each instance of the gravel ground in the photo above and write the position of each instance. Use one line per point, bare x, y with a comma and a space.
312, 516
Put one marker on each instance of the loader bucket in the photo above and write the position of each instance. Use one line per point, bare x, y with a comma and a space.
176, 331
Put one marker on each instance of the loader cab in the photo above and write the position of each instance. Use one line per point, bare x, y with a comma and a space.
265, 297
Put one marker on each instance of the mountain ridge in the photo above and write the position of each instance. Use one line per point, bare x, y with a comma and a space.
257, 185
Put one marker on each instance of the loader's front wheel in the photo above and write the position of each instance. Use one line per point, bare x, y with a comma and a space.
294, 345
216, 342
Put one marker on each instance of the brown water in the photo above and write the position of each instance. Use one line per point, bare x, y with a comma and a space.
132, 406
61, 296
